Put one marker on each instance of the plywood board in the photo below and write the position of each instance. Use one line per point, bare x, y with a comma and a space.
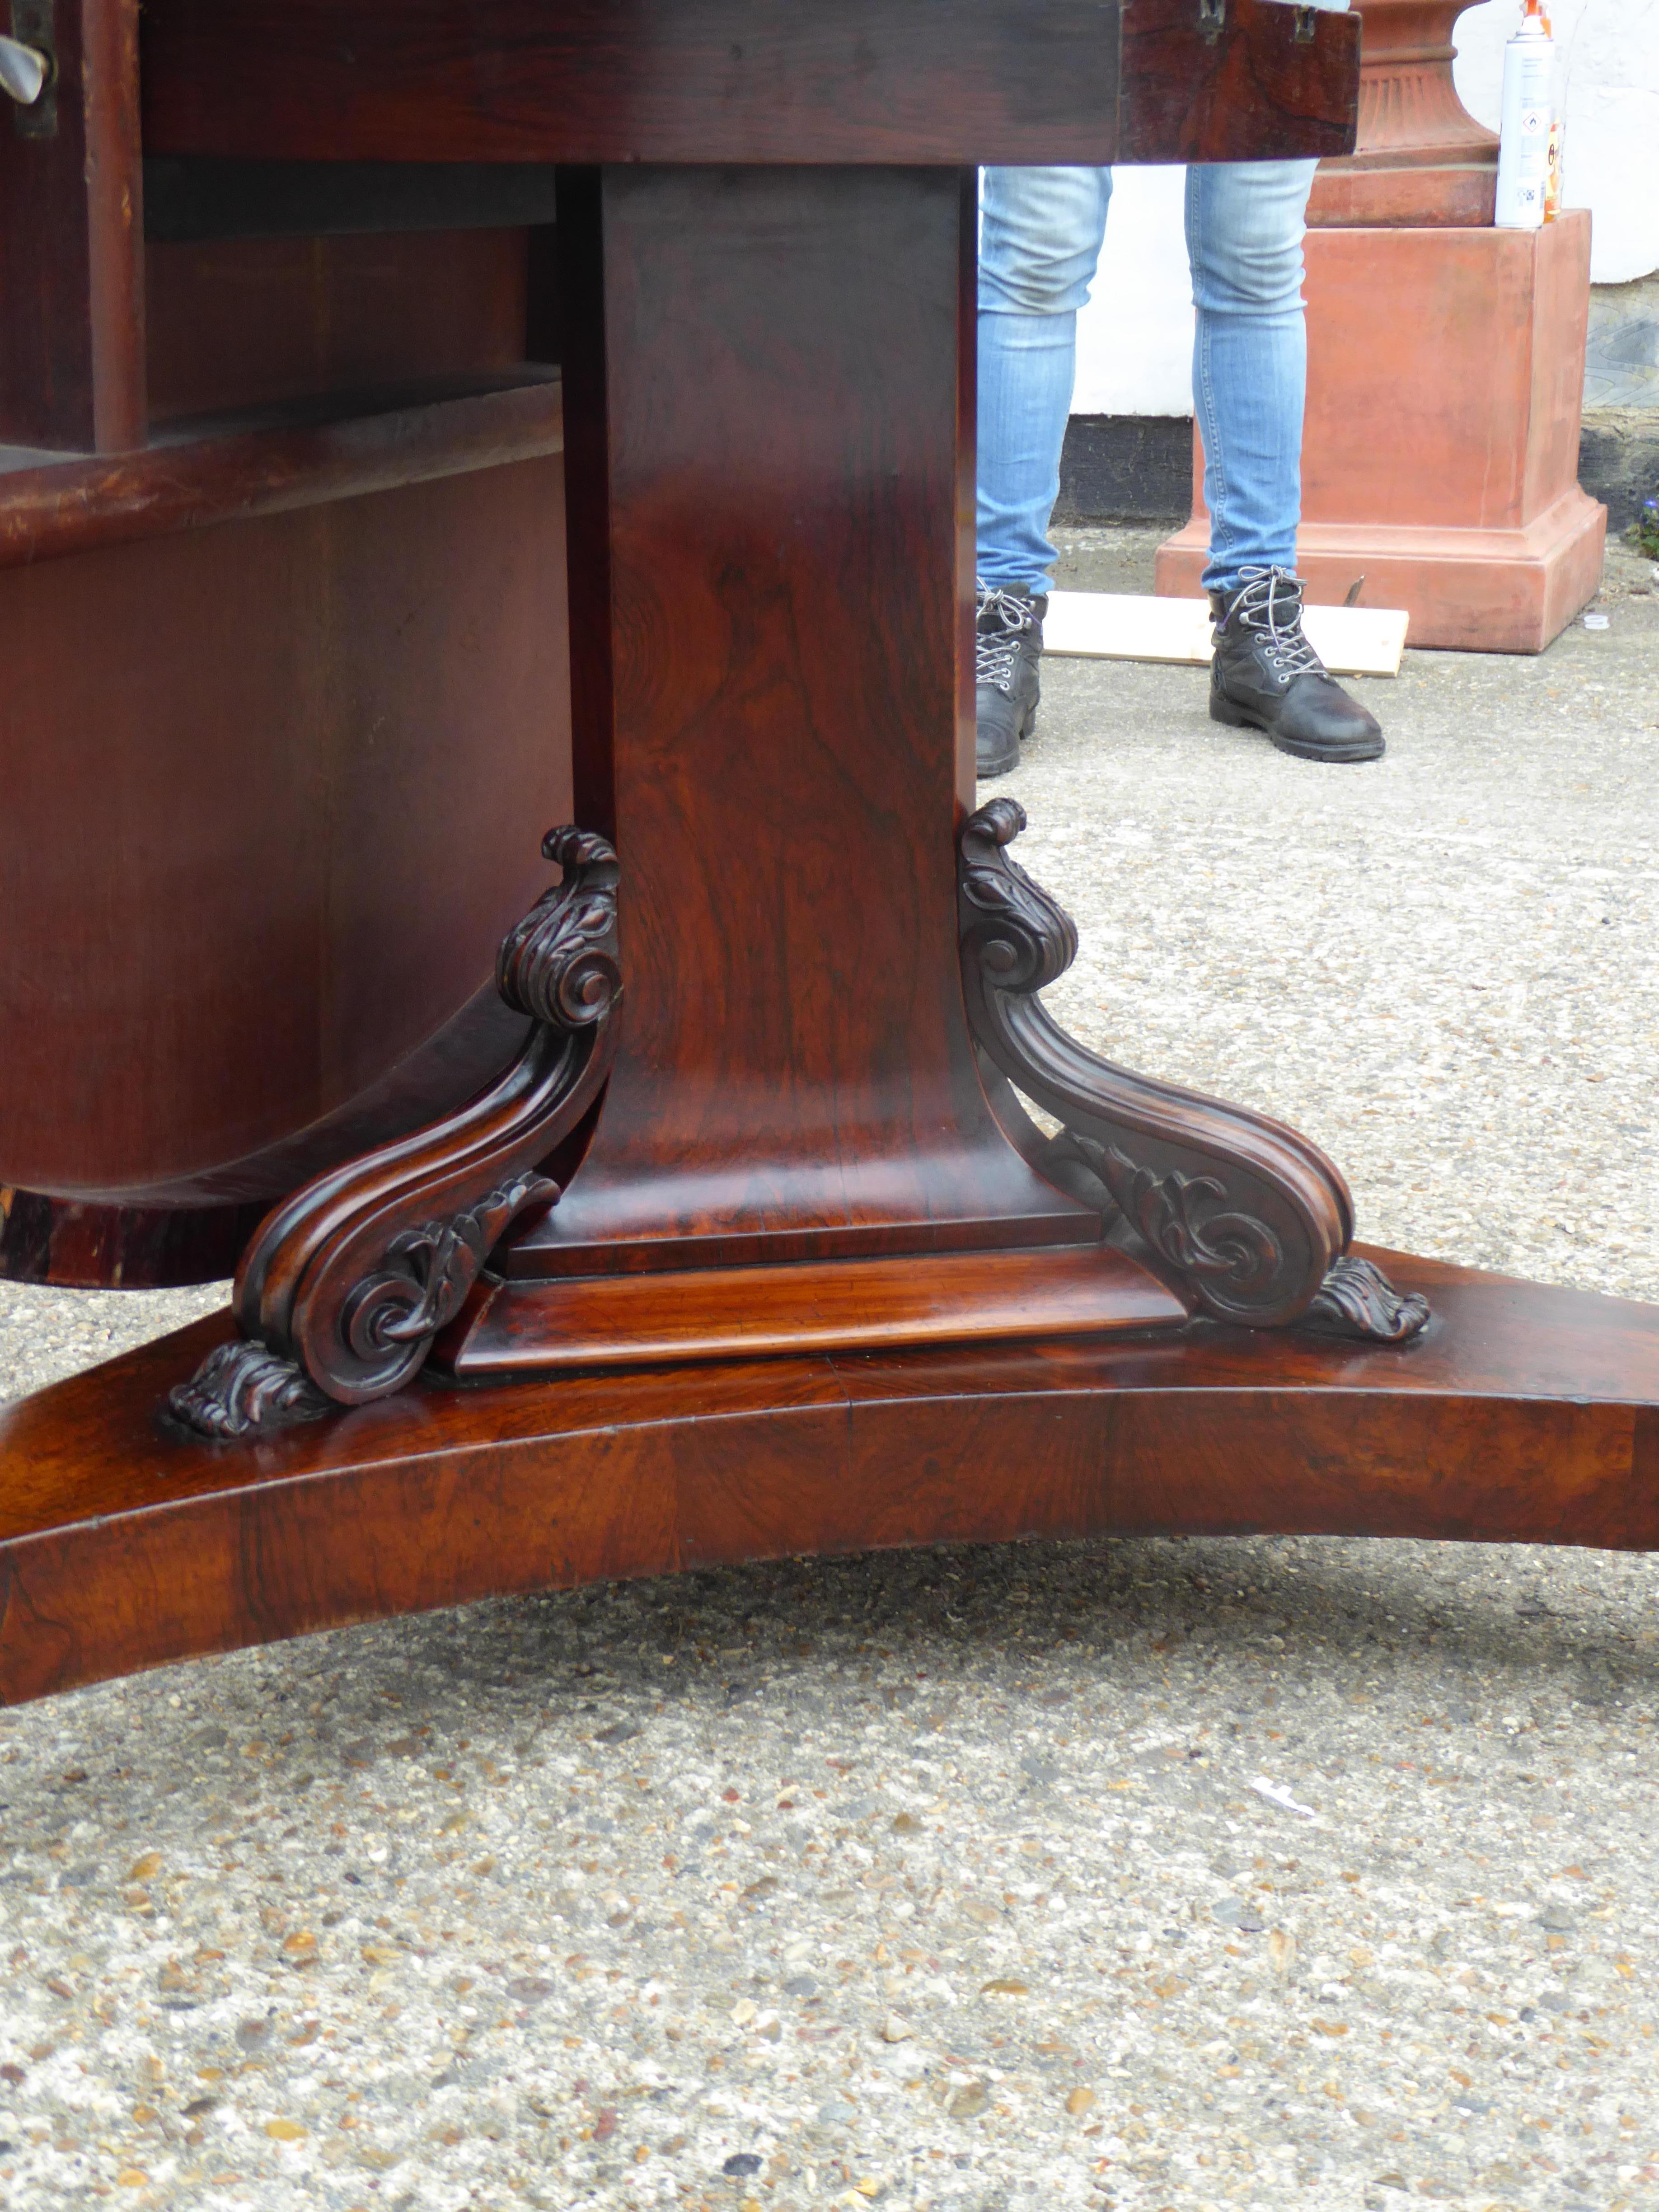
1123, 626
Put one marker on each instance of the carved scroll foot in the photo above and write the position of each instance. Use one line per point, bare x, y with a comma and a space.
240, 1388
1247, 1219
347, 1283
1356, 1299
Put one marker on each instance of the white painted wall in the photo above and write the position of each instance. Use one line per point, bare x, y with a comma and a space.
1134, 337
1607, 88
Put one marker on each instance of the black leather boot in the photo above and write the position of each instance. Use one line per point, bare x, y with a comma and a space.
1265, 675
1007, 647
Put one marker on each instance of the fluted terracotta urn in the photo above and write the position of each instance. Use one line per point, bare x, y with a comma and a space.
1422, 158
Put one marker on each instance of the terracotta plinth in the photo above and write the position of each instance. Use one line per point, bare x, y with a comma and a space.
1445, 380
1422, 157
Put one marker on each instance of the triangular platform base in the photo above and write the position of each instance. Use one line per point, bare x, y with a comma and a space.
1520, 1414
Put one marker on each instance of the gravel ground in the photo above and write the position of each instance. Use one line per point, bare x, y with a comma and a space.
1155, 1874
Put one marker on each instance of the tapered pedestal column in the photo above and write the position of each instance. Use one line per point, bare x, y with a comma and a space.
770, 498
771, 583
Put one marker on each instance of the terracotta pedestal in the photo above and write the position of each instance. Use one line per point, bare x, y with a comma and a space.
1446, 378
1445, 373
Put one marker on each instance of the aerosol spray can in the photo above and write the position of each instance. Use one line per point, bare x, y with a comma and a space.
1523, 150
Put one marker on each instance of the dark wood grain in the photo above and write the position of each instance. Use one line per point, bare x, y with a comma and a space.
236, 323
592, 80
302, 453
566, 284
612, 1320
75, 1245
774, 565
209, 199
1277, 81
1525, 1414
943, 81
71, 243
251, 869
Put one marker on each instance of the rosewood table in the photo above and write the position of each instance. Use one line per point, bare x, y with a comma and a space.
749, 1242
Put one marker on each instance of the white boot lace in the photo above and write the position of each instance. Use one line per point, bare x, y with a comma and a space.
1270, 600
1002, 618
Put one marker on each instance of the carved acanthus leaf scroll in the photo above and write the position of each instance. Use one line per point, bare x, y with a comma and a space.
1186, 1219
242, 1387
1247, 1217
1356, 1299
347, 1283
429, 1270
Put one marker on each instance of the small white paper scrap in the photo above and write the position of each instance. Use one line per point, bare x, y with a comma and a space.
1277, 1794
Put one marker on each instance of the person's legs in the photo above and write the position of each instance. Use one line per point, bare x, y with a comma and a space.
1040, 238
1244, 230
1040, 235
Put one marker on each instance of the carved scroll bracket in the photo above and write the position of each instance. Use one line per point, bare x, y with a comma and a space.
1250, 1220
347, 1283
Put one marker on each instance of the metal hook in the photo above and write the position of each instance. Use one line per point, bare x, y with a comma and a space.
1211, 18
1307, 27
25, 71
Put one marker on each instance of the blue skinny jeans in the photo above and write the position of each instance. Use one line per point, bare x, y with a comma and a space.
1040, 238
